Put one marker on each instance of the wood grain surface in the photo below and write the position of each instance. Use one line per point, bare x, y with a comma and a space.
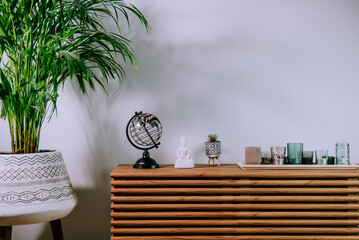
226, 202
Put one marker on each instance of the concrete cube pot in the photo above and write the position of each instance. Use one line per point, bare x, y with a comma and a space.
34, 188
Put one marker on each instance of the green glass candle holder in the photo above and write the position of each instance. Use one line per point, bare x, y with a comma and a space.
331, 160
307, 157
295, 153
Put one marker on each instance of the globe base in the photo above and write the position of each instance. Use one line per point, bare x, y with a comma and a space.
146, 162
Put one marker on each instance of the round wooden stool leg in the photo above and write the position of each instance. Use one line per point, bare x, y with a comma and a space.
56, 230
5, 233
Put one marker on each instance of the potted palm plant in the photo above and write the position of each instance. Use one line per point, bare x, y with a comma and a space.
44, 43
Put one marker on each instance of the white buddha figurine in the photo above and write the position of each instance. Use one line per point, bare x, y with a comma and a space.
184, 157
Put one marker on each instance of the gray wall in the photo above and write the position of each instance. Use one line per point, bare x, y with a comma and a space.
255, 72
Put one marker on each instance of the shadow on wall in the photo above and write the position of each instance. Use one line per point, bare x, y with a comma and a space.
101, 150
103, 146
91, 218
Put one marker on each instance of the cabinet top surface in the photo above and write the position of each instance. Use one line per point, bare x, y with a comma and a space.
228, 170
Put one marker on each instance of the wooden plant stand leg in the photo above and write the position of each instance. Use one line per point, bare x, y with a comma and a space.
5, 233
218, 162
56, 230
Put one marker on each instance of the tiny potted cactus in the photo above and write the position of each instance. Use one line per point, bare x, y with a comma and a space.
213, 148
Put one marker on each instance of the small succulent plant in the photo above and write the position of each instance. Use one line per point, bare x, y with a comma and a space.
212, 137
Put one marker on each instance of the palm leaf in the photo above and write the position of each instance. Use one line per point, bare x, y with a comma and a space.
43, 43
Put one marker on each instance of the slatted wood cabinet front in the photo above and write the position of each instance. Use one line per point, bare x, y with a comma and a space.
229, 203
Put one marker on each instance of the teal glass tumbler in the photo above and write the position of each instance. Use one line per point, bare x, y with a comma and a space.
295, 153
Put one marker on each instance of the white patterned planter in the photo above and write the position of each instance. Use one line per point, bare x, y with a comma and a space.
213, 149
34, 188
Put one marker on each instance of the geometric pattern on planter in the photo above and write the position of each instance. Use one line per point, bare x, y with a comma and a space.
41, 195
33, 172
6, 160
213, 148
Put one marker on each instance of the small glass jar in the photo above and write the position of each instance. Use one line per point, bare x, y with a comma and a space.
342, 153
266, 157
321, 157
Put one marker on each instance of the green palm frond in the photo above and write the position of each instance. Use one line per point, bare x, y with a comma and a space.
45, 42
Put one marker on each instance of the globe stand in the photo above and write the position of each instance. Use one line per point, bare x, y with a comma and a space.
146, 162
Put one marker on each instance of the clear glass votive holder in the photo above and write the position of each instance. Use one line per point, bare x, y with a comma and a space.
321, 157
342, 153
278, 155
295, 153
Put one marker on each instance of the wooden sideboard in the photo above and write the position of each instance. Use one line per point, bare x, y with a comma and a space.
226, 202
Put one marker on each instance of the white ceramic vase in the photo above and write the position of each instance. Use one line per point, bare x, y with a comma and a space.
34, 188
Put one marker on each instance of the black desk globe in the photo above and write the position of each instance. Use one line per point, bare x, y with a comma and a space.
144, 130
